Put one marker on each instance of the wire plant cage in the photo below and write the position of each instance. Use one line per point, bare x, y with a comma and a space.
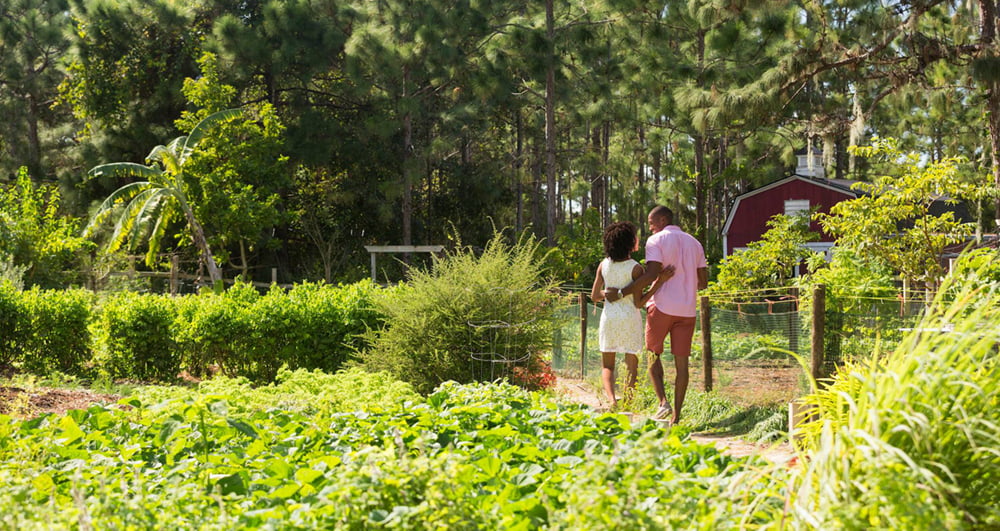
497, 344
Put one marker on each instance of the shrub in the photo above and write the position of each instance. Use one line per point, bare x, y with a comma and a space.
313, 326
495, 307
980, 266
770, 261
40, 244
203, 329
56, 337
12, 324
329, 323
225, 330
134, 337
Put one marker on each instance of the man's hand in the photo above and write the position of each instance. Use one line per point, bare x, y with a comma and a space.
612, 294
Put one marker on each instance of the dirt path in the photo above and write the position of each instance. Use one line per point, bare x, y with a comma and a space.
580, 392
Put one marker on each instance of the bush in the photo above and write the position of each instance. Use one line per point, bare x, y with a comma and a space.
330, 323
203, 329
233, 332
134, 337
495, 307
313, 326
56, 337
12, 324
38, 243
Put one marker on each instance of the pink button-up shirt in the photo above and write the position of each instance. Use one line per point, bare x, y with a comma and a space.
672, 246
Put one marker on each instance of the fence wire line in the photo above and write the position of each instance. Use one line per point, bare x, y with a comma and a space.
755, 290
758, 334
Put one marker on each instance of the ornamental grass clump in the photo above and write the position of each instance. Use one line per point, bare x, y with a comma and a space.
911, 440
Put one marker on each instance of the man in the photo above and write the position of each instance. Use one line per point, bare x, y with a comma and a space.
672, 308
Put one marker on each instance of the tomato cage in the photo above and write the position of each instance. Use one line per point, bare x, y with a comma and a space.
498, 347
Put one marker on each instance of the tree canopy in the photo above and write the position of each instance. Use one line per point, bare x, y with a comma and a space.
392, 122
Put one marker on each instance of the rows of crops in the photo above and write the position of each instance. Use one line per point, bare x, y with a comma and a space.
478, 456
910, 440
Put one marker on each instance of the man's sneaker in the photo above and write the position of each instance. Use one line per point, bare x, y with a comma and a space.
663, 414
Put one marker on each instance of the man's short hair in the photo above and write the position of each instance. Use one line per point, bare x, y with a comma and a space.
660, 211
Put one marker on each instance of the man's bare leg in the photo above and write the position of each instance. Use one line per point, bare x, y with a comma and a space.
680, 385
656, 377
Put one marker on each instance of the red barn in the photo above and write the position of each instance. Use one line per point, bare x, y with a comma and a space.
747, 220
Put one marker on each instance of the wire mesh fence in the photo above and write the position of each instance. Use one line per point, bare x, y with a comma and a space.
864, 326
760, 350
762, 347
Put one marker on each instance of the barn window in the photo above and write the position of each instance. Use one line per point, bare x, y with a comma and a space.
796, 206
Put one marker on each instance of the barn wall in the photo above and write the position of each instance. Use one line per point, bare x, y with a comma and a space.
750, 219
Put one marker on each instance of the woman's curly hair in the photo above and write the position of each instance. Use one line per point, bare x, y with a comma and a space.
619, 240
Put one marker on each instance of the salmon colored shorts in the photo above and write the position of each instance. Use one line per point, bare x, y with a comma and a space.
659, 324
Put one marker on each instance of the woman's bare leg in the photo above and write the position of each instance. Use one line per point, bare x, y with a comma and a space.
608, 376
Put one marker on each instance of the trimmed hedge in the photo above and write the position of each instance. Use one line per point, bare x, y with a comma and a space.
55, 334
11, 327
135, 337
153, 337
312, 326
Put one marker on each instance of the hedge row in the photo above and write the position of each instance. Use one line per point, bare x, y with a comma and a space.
155, 337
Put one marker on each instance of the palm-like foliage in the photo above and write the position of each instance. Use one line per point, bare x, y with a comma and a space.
145, 208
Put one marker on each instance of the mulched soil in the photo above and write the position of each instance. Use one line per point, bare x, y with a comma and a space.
28, 403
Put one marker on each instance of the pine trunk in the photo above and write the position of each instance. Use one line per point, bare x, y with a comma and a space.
34, 143
407, 178
518, 177
987, 36
550, 128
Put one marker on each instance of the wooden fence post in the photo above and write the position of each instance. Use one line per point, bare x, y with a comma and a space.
818, 329
174, 272
793, 322
706, 341
583, 334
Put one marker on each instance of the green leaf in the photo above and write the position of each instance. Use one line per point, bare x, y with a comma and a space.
219, 407
307, 475
232, 484
70, 430
285, 491
490, 465
243, 427
569, 460
43, 484
167, 430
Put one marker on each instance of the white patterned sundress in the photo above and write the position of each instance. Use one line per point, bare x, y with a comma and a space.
621, 322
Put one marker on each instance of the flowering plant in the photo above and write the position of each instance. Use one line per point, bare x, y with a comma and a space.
535, 375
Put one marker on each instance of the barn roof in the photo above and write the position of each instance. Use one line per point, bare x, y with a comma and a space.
837, 185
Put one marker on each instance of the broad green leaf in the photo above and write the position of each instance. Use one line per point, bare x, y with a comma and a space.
232, 484
490, 465
243, 427
307, 475
70, 430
